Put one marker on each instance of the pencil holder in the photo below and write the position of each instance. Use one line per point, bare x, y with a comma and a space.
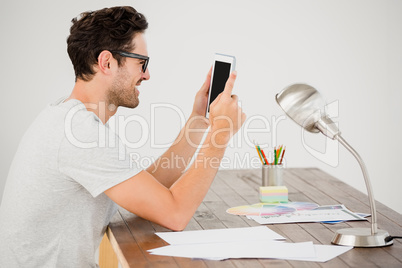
272, 175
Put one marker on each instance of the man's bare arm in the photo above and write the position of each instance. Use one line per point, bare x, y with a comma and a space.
173, 207
170, 166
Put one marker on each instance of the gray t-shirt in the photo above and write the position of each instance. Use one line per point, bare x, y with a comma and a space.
54, 212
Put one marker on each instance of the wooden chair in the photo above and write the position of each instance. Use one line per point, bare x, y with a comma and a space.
107, 257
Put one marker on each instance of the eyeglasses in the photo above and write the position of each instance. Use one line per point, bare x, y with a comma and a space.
134, 56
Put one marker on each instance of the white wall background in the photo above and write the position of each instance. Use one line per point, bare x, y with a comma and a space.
349, 50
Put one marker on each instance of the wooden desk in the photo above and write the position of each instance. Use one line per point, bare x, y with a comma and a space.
132, 236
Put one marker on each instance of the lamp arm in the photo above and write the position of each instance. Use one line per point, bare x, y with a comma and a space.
367, 181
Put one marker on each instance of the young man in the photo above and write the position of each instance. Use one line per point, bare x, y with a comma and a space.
64, 183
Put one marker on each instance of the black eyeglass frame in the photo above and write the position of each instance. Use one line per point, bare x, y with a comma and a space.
134, 56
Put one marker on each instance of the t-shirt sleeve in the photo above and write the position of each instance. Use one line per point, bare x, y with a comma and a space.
94, 161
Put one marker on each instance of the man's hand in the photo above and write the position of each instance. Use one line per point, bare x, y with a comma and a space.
226, 117
201, 99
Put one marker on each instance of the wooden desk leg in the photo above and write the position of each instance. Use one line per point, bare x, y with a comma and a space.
107, 257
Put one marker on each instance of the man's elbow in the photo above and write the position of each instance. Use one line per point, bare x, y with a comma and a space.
177, 222
176, 228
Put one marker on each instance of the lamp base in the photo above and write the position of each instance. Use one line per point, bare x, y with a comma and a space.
360, 237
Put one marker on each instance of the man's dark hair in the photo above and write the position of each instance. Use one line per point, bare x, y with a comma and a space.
105, 29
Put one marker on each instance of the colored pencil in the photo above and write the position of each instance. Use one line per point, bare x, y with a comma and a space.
258, 152
265, 158
278, 153
264, 162
283, 153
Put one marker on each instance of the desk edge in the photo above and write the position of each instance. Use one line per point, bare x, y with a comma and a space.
116, 248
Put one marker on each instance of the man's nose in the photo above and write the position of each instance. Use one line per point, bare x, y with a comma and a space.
146, 75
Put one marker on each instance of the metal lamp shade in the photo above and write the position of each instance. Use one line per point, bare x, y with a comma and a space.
303, 104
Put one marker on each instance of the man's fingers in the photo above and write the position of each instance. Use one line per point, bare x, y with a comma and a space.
205, 86
209, 73
216, 100
230, 83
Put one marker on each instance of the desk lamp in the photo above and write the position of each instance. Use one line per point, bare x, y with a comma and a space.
304, 105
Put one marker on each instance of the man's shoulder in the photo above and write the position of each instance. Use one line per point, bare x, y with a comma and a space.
63, 120
71, 114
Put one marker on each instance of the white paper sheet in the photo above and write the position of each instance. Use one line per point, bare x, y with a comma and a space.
323, 253
220, 235
364, 215
249, 242
249, 249
315, 215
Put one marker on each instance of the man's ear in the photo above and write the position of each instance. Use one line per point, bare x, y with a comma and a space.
105, 62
